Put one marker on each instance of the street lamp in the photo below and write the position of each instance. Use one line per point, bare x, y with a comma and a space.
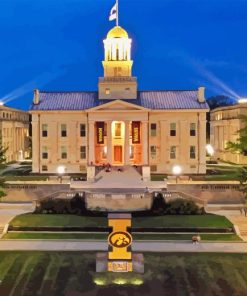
176, 170
61, 171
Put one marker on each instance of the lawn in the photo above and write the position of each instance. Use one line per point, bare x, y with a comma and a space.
103, 236
183, 221
72, 273
160, 221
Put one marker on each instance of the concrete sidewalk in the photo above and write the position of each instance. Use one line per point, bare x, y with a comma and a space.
141, 246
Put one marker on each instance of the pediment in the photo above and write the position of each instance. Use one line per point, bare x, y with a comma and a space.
118, 105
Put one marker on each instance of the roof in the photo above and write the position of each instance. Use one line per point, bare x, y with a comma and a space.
117, 32
156, 100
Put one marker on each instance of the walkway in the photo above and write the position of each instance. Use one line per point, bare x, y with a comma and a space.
9, 210
128, 178
141, 246
232, 213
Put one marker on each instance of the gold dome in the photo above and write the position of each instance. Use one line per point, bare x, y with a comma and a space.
117, 32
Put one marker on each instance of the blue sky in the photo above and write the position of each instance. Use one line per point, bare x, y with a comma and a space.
177, 44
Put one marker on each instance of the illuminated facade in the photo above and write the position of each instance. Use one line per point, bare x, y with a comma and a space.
14, 128
118, 124
225, 124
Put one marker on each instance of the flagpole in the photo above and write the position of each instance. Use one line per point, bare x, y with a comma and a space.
117, 19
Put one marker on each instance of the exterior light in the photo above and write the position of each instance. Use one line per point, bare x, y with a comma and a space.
242, 100
137, 282
99, 282
61, 170
1, 103
210, 149
177, 170
120, 281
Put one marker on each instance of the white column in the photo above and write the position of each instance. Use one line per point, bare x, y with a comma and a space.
91, 143
126, 143
35, 143
109, 142
144, 143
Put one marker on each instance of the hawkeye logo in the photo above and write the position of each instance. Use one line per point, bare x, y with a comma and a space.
120, 239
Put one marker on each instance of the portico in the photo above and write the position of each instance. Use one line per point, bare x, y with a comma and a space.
118, 134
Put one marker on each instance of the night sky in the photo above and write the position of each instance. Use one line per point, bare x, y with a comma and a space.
177, 44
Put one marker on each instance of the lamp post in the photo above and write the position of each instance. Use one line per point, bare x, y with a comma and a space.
61, 171
176, 170
210, 150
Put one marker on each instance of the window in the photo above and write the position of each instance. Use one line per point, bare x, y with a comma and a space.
44, 130
44, 168
192, 152
131, 152
153, 129
173, 129
82, 130
104, 154
45, 152
153, 150
118, 129
83, 152
173, 150
193, 129
107, 91
64, 152
63, 130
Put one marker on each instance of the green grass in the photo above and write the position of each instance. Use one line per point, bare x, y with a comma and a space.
103, 236
183, 221
160, 221
25, 178
57, 220
157, 177
73, 273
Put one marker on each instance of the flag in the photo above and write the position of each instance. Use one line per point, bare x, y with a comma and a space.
113, 13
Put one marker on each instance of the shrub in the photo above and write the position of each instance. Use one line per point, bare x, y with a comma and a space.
158, 205
76, 206
181, 206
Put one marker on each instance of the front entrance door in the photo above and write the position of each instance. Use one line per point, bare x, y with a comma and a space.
118, 153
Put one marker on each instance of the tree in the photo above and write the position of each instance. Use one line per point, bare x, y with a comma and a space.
240, 146
220, 101
242, 177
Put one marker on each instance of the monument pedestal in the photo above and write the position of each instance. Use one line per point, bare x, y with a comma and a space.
103, 263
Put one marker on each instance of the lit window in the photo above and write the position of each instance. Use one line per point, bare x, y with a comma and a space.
104, 154
153, 150
173, 152
44, 152
131, 152
117, 129
107, 91
153, 129
173, 130
193, 129
82, 130
64, 152
192, 152
44, 130
83, 152
63, 130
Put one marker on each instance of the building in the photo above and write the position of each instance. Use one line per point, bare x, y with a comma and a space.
119, 124
14, 128
225, 124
